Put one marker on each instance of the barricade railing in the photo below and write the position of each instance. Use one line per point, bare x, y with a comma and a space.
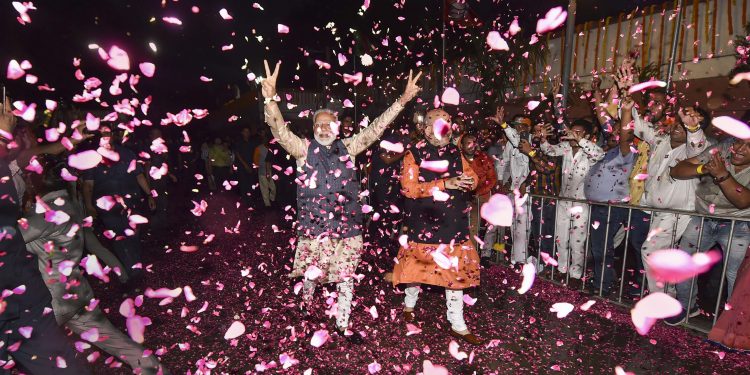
546, 207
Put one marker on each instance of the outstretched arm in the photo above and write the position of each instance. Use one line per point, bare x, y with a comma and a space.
294, 145
362, 140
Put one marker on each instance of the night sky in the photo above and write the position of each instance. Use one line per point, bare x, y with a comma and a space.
62, 30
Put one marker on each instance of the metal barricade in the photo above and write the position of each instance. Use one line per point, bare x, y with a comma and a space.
723, 229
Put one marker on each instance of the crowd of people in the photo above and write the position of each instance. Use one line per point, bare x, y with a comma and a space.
407, 200
585, 190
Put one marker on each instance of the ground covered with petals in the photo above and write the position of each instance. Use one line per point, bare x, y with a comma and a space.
240, 276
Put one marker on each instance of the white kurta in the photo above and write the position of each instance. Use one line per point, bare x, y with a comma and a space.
571, 220
663, 191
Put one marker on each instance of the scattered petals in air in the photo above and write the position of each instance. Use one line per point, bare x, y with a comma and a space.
172, 20
118, 59
498, 210
147, 69
532, 104
562, 309
354, 79
514, 28
647, 85
732, 126
439, 166
225, 14
429, 369
675, 265
323, 64
496, 42
529, 274
283, 29
440, 128
453, 350
450, 96
392, 147
552, 20
652, 307
14, 70
85, 160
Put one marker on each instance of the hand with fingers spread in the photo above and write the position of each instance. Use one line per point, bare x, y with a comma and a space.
268, 84
411, 89
624, 78
544, 132
499, 115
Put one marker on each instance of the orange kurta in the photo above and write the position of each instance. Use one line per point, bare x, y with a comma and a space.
416, 263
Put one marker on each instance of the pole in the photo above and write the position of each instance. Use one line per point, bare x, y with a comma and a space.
442, 57
675, 41
569, 35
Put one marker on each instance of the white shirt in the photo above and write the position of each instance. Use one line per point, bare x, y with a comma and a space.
496, 152
515, 159
661, 190
576, 167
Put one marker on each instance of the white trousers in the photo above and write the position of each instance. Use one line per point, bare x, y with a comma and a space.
345, 291
571, 226
454, 301
665, 232
520, 231
267, 189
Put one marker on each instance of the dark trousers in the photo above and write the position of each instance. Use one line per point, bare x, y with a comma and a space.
39, 353
604, 272
160, 217
245, 182
126, 248
543, 216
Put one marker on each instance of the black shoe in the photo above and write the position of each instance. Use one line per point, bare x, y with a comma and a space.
594, 289
355, 338
682, 316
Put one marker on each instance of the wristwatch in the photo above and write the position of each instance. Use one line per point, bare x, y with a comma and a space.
718, 180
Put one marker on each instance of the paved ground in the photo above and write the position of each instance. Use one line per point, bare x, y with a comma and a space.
240, 276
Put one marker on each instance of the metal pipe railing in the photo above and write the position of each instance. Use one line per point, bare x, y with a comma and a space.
555, 250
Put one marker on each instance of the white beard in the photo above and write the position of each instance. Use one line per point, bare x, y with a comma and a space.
325, 141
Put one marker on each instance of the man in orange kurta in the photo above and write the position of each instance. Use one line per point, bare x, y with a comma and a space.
437, 182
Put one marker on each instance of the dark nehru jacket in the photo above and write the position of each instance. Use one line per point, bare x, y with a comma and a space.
435, 222
328, 193
18, 267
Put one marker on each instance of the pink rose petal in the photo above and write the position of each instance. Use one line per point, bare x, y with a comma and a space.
732, 126
429, 369
392, 147
84, 160
674, 265
118, 59
529, 274
353, 79
441, 128
439, 166
172, 20
453, 350
552, 20
654, 306
498, 210
496, 42
147, 69
514, 28
319, 338
562, 309
647, 85
283, 29
14, 70
25, 331
225, 14
532, 104
450, 96
235, 330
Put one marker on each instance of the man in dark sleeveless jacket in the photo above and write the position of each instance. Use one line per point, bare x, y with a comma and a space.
436, 180
329, 243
